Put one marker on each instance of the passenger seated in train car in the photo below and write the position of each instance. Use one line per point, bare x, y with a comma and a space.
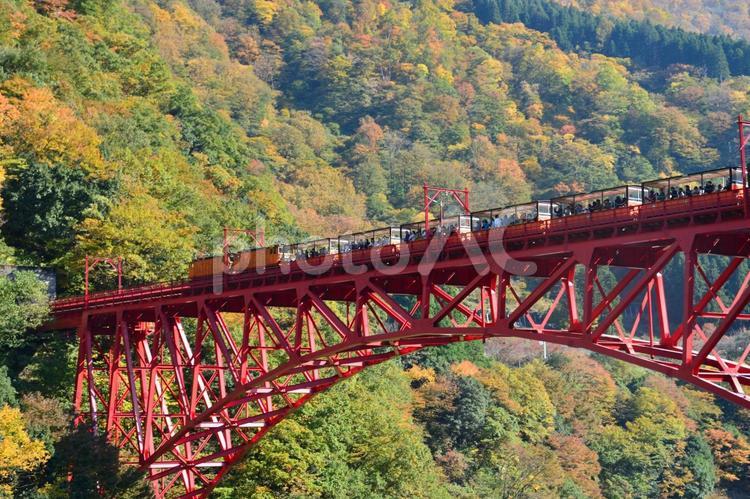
579, 208
496, 222
709, 187
619, 202
485, 224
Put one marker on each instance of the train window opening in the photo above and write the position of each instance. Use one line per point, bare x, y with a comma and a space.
383, 236
591, 202
310, 249
456, 224
510, 215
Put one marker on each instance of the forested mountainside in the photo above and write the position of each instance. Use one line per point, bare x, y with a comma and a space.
645, 43
141, 128
705, 16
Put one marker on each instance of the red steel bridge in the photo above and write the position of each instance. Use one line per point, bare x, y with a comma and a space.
186, 377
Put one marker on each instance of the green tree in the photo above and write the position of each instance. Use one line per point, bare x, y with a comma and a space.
358, 437
23, 306
43, 203
8, 394
86, 465
519, 471
700, 461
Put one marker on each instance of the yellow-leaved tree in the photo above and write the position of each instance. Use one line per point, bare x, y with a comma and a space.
18, 452
155, 243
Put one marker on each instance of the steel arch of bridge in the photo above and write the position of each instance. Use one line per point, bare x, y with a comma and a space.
186, 377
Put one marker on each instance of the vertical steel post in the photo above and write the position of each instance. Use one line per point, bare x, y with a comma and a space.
86, 282
743, 163
688, 312
426, 208
225, 248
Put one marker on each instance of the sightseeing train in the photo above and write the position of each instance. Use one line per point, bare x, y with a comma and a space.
654, 191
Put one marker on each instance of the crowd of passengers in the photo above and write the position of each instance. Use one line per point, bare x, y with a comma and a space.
417, 234
360, 244
504, 221
593, 207
652, 197
367, 243
683, 192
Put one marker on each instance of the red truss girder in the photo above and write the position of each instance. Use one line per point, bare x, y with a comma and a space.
185, 382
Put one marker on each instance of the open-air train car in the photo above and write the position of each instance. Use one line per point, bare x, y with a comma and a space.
383, 236
697, 184
457, 224
510, 215
591, 202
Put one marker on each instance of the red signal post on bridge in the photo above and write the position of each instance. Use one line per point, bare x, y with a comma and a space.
431, 194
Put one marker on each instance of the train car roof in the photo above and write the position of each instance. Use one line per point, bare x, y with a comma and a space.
593, 194
716, 173
371, 231
511, 206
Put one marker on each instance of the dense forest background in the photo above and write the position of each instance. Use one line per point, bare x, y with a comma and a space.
141, 128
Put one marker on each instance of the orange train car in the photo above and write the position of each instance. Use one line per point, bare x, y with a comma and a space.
238, 262
254, 259
204, 267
